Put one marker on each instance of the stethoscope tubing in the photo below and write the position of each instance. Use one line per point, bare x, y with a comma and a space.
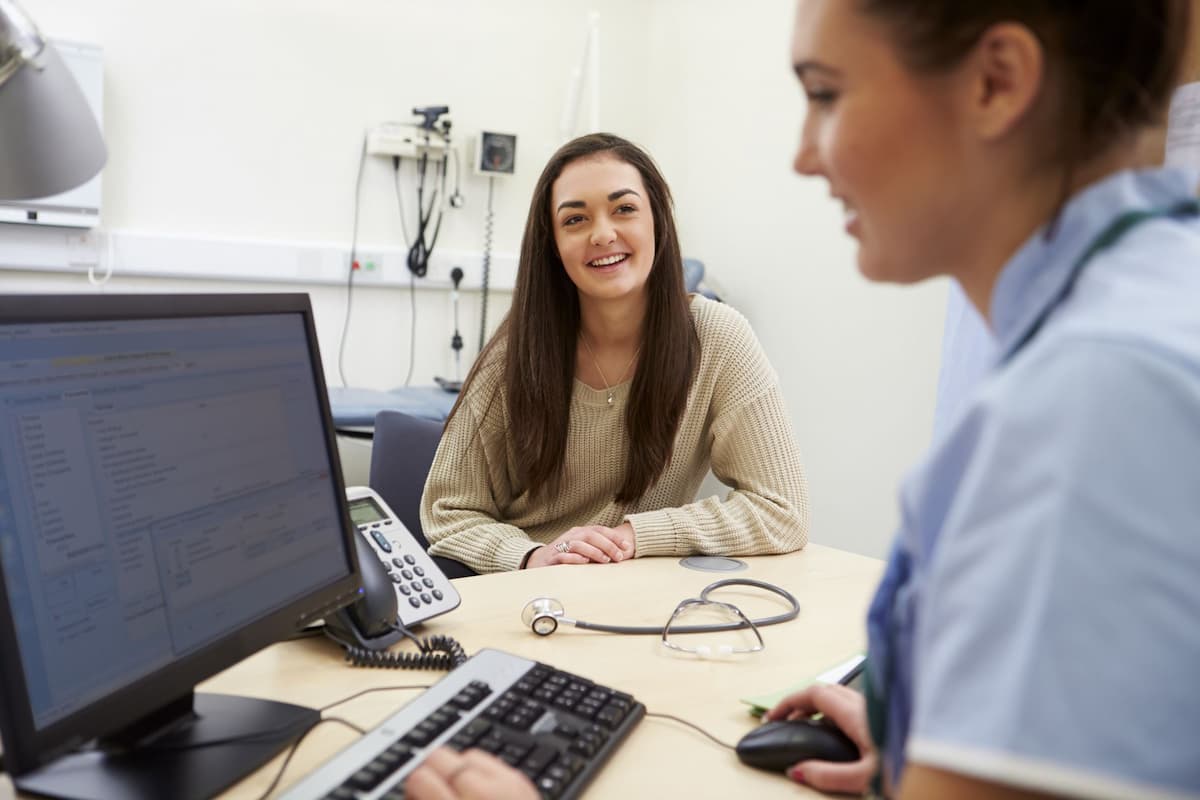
652, 630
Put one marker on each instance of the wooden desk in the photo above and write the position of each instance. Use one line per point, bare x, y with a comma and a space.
660, 757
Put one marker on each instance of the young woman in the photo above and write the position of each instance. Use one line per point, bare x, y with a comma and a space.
1047, 570
1035, 634
592, 416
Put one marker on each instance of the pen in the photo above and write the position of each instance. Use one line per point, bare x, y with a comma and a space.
854, 672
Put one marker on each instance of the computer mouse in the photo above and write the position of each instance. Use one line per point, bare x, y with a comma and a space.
775, 746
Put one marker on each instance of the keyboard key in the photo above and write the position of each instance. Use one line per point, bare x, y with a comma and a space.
549, 787
492, 742
539, 758
368, 777
610, 716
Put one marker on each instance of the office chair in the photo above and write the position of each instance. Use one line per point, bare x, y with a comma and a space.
401, 456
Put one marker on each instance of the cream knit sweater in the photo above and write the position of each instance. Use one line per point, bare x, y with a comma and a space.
735, 423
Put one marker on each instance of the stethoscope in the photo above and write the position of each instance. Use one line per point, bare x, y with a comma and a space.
544, 614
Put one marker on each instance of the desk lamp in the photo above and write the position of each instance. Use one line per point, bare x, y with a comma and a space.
49, 139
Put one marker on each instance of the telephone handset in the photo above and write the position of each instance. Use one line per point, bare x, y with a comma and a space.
402, 587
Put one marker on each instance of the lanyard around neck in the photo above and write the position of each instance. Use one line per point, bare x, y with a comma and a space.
1112, 234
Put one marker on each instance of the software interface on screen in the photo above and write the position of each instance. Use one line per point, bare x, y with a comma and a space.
162, 482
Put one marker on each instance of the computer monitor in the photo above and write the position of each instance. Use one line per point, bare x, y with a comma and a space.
170, 503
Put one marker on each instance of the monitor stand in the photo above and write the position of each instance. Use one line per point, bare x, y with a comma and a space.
173, 765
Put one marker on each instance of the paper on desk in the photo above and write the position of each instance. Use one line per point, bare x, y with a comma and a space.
761, 703
1183, 127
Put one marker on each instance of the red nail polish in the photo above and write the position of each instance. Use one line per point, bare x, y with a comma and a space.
797, 774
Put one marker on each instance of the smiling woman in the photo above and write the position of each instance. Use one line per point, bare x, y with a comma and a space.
591, 418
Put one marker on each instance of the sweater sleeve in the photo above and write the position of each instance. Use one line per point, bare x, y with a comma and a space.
459, 512
754, 451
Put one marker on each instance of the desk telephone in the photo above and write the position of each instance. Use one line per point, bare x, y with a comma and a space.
402, 587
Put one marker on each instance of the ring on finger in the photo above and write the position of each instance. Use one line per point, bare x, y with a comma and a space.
563, 547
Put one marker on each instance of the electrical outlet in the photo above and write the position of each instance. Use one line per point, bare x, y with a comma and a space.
403, 140
370, 267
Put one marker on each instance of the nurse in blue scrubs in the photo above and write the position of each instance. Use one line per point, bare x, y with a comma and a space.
1037, 631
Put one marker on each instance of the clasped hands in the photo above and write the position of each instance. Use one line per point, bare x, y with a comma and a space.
587, 544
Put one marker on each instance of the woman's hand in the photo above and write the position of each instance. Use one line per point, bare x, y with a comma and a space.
473, 775
847, 709
586, 544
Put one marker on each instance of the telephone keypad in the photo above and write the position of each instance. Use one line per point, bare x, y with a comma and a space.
410, 568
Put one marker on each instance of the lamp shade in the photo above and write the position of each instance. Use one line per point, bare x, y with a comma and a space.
49, 139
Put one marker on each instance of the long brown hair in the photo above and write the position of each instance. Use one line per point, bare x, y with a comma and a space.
1116, 61
538, 337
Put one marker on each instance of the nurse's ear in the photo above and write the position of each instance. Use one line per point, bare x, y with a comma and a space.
1005, 75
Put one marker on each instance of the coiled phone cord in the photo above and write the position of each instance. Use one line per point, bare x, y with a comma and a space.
434, 652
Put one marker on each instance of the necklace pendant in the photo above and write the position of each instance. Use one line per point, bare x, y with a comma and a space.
610, 398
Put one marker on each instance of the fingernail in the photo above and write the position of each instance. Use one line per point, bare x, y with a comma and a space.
797, 774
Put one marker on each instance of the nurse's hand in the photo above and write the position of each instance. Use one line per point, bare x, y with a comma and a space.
848, 710
473, 775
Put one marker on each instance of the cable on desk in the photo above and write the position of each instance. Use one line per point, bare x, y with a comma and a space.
691, 725
357, 695
435, 652
296, 744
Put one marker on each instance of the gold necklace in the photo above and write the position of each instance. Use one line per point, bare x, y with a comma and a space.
607, 387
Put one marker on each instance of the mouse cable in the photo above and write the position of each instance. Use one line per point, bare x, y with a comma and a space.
296, 744
274, 732
357, 695
691, 725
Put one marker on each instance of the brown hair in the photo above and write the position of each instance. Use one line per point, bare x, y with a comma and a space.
1115, 62
539, 332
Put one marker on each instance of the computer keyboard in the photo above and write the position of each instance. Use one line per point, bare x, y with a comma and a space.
556, 727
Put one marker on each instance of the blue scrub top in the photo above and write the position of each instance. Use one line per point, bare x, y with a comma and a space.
1038, 623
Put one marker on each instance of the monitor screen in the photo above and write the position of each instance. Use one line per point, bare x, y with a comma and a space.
169, 498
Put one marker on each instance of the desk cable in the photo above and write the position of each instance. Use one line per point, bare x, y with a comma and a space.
433, 652
691, 725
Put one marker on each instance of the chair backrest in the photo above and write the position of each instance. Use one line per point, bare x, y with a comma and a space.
401, 456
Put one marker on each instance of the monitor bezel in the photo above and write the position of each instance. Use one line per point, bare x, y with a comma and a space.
25, 746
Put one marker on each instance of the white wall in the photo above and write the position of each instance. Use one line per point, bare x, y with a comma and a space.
858, 362
244, 120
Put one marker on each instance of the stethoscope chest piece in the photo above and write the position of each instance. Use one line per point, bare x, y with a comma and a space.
541, 614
